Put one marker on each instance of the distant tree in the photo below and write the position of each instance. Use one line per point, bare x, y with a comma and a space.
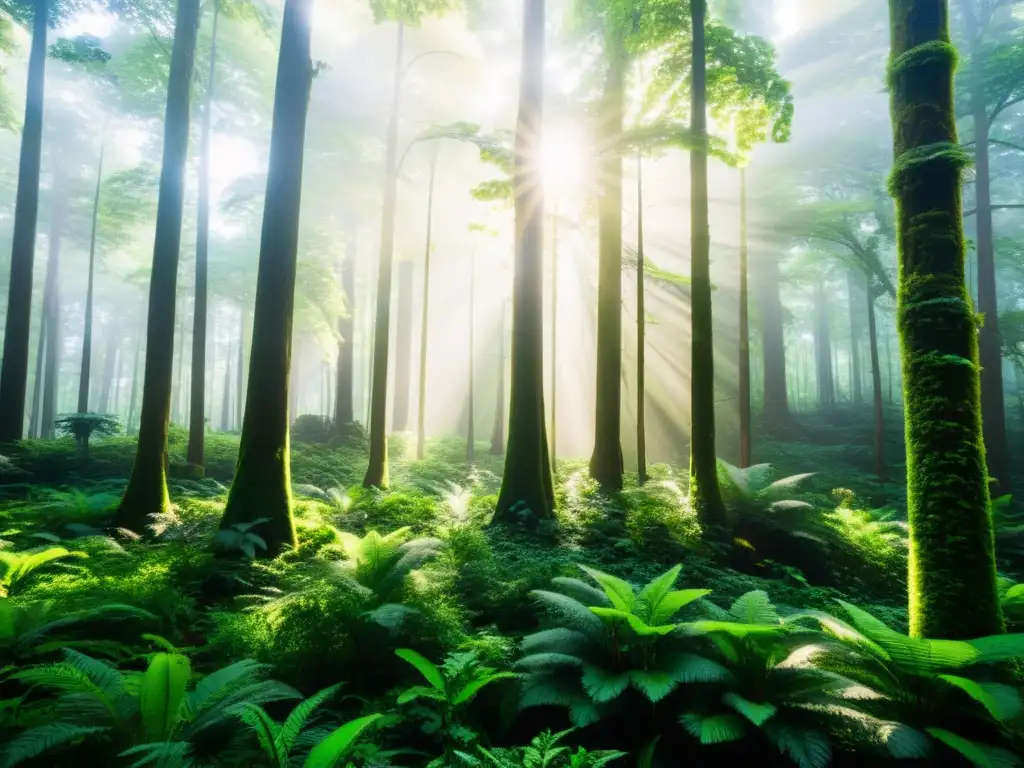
261, 491
146, 493
526, 484
952, 575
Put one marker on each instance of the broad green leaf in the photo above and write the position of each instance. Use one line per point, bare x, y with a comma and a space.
691, 668
733, 628
674, 602
329, 752
1003, 702
603, 686
618, 591
471, 688
756, 713
979, 755
161, 694
650, 597
653, 683
713, 729
998, 648
754, 608
420, 692
426, 668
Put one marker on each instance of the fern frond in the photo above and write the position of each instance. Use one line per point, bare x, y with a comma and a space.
713, 729
580, 591
569, 612
43, 738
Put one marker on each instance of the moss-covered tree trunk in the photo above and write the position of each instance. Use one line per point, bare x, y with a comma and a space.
641, 330
197, 402
403, 347
146, 493
775, 408
262, 484
705, 494
527, 478
744, 353
345, 380
14, 366
421, 399
876, 385
856, 384
606, 461
952, 575
86, 369
377, 469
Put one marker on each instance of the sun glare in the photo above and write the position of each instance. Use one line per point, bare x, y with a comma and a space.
564, 159
789, 17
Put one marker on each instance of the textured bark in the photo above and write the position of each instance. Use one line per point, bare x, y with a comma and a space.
822, 348
952, 575
403, 348
14, 367
197, 401
178, 366
705, 494
421, 401
344, 412
876, 386
775, 412
262, 484
856, 385
744, 356
606, 461
377, 469
146, 493
641, 330
526, 481
86, 370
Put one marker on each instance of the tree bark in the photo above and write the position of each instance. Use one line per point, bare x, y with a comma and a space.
421, 408
822, 347
705, 493
377, 469
146, 493
952, 574
14, 367
744, 361
179, 370
526, 482
876, 385
109, 360
37, 385
856, 386
262, 484
133, 397
344, 413
403, 350
240, 369
197, 402
86, 370
51, 306
775, 409
225, 404
606, 464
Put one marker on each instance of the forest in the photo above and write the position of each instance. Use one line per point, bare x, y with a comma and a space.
511, 383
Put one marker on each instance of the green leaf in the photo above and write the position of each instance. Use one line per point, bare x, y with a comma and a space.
603, 686
735, 629
674, 602
43, 738
904, 742
653, 683
161, 694
329, 752
420, 692
808, 749
754, 608
979, 755
1003, 702
998, 648
691, 668
426, 668
472, 687
650, 597
756, 713
713, 729
263, 725
618, 591
297, 718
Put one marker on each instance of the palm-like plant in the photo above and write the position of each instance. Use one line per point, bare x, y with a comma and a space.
768, 687
605, 641
544, 751
17, 567
758, 502
324, 747
153, 714
450, 688
927, 698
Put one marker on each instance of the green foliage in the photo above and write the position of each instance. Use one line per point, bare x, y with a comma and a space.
411, 12
311, 428
83, 426
239, 537
544, 751
16, 568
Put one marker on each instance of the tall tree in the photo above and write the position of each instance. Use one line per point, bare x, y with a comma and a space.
744, 353
641, 329
14, 367
344, 382
403, 347
421, 401
952, 563
197, 401
84, 376
527, 478
146, 493
705, 493
51, 308
262, 484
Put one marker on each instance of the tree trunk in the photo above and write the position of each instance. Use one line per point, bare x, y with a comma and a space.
377, 469
606, 462
262, 484
705, 493
146, 493
294, 375
822, 347
133, 397
856, 386
109, 360
225, 405
888, 366
876, 385
403, 351
197, 401
421, 408
744, 361
51, 306
83, 379
177, 390
471, 426
240, 369
115, 395
775, 407
554, 340
526, 482
952, 574
344, 413
993, 407
498, 430
14, 366
37, 386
